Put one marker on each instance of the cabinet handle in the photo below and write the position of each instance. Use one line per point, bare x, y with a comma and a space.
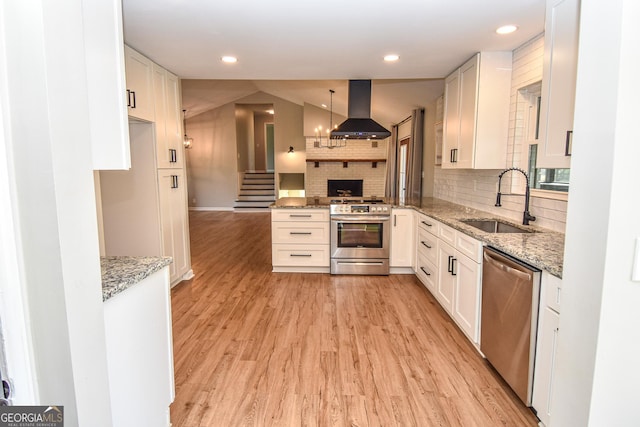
301, 255
451, 156
174, 181
299, 216
453, 266
425, 244
449, 268
133, 93
128, 98
394, 220
427, 224
455, 155
425, 271
568, 146
300, 232
173, 156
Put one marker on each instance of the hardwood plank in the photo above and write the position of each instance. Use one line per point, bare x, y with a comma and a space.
256, 348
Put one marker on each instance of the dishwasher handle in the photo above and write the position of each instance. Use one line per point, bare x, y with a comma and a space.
495, 260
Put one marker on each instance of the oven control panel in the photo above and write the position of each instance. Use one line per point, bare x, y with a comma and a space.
360, 209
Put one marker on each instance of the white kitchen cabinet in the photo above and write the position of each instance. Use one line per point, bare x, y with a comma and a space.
459, 275
476, 113
402, 238
427, 251
139, 79
300, 240
545, 365
137, 325
167, 99
142, 214
172, 192
558, 83
104, 54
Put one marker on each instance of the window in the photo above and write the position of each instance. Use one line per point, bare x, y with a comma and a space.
556, 180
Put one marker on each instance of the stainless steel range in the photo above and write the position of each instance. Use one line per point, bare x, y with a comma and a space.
360, 237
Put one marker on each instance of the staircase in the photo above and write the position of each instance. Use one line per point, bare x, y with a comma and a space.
257, 192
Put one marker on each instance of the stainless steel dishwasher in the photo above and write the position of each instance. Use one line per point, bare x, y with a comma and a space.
510, 298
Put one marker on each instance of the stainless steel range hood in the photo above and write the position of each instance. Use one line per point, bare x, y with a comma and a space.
359, 125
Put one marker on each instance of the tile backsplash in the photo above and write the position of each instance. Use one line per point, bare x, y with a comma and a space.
373, 178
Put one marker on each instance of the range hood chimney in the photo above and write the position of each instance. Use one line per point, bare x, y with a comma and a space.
359, 125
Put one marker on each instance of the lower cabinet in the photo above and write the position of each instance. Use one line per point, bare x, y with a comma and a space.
402, 232
139, 342
449, 264
172, 192
300, 240
548, 328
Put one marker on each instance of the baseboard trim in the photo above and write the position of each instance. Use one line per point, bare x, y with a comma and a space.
210, 208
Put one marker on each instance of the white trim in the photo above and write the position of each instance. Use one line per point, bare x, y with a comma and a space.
210, 208
301, 270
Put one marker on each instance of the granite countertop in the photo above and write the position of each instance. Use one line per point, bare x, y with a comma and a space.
122, 272
543, 248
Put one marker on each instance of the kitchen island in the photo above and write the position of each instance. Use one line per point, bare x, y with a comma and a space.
137, 316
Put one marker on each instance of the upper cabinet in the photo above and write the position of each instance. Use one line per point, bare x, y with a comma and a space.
558, 83
104, 56
476, 113
169, 143
139, 92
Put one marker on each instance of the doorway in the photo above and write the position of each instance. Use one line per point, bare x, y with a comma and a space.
403, 159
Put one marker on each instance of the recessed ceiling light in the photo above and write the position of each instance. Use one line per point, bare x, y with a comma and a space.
229, 59
391, 58
506, 29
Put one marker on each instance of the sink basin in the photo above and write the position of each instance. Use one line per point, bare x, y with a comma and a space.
494, 226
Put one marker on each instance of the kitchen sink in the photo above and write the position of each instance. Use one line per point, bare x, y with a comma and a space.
494, 226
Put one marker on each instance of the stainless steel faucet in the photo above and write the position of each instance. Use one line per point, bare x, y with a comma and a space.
526, 217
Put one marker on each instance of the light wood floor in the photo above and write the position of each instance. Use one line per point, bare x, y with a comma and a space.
255, 348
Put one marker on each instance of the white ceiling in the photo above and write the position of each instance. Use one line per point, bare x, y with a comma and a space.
298, 50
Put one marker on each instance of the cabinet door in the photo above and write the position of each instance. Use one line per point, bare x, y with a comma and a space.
166, 88
173, 119
106, 86
139, 78
468, 104
466, 307
163, 154
451, 125
545, 364
402, 231
558, 83
427, 272
446, 278
174, 222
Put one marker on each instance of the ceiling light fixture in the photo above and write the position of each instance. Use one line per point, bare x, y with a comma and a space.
391, 58
229, 59
506, 29
331, 143
188, 142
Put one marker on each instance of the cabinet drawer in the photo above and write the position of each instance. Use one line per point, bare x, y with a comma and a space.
469, 246
300, 232
447, 234
428, 224
427, 272
553, 286
300, 215
428, 245
284, 255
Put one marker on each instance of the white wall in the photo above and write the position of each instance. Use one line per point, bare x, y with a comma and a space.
597, 368
478, 188
53, 205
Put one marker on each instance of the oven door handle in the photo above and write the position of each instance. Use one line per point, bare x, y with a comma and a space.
360, 218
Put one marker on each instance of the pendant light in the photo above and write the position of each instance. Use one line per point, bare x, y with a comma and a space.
187, 141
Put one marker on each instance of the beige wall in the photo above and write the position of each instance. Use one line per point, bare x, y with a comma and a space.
212, 163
